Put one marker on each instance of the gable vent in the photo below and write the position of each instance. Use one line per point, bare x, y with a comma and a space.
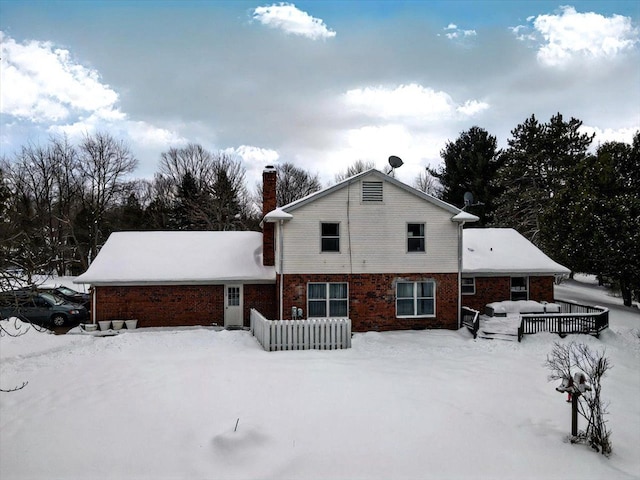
372, 191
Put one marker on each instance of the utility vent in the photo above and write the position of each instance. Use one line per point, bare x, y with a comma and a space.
372, 191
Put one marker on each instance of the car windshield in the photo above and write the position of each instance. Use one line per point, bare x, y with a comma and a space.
52, 298
67, 291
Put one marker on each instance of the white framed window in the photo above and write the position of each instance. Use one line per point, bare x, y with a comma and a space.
468, 286
416, 299
415, 237
328, 299
519, 288
329, 237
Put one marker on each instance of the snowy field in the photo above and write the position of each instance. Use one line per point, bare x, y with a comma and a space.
205, 404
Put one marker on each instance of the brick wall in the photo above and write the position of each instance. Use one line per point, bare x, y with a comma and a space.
372, 300
177, 305
269, 203
541, 289
496, 289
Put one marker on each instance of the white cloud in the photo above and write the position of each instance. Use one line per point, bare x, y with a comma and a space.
568, 35
471, 107
253, 154
41, 83
454, 32
408, 102
611, 135
288, 18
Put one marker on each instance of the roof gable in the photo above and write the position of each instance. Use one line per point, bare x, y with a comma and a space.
372, 174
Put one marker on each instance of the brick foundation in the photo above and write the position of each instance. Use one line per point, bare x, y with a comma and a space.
372, 300
497, 289
178, 305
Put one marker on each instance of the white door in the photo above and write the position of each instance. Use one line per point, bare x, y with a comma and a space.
233, 306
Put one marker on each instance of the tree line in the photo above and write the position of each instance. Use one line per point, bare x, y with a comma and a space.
580, 205
60, 201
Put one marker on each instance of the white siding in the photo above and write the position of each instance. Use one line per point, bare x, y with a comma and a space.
378, 234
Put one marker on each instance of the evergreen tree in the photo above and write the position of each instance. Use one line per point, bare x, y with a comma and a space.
593, 223
470, 165
536, 167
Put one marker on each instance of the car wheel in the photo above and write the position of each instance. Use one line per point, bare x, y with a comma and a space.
58, 320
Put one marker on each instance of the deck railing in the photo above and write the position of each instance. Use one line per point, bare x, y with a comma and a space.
471, 320
315, 333
574, 318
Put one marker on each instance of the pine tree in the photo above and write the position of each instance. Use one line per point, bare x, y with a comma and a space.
470, 165
538, 165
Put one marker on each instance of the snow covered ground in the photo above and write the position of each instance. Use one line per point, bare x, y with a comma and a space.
204, 404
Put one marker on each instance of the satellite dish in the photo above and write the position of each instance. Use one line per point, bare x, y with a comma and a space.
395, 162
468, 199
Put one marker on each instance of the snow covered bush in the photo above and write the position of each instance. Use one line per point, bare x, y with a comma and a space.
564, 361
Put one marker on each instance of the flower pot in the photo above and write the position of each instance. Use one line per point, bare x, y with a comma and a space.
90, 327
117, 324
131, 324
105, 324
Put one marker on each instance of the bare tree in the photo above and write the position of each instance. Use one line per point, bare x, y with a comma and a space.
104, 164
194, 159
292, 183
427, 183
355, 168
564, 361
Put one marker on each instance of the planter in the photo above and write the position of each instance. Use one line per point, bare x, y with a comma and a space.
131, 324
90, 327
105, 324
117, 324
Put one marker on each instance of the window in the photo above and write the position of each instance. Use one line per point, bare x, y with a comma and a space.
327, 299
415, 237
519, 288
468, 285
329, 237
372, 191
416, 299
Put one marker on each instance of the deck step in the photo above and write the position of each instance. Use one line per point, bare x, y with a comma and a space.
511, 337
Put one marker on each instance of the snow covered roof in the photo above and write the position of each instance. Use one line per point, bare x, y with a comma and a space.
134, 258
495, 251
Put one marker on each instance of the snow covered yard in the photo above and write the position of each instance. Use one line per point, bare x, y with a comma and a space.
419, 404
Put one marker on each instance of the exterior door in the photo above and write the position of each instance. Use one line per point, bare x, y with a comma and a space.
233, 306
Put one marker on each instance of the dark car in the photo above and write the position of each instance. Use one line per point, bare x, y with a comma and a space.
41, 308
67, 294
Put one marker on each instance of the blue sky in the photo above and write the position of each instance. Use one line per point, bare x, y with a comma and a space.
317, 83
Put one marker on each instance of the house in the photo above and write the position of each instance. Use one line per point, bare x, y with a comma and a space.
370, 248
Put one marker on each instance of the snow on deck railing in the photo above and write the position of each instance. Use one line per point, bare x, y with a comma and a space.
315, 333
471, 320
575, 318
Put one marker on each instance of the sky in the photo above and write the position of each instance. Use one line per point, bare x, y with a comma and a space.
319, 84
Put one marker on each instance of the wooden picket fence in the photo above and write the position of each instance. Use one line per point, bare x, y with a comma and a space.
314, 333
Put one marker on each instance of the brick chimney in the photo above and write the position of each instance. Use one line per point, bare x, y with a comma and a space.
269, 203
